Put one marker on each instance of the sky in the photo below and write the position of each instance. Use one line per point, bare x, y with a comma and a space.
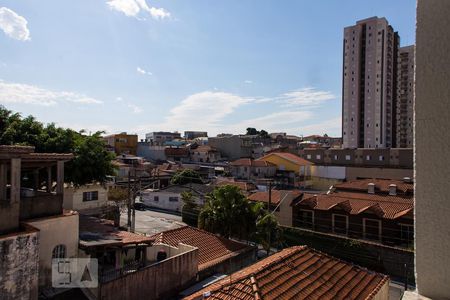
174, 65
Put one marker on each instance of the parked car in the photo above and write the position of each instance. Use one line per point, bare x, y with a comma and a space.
140, 206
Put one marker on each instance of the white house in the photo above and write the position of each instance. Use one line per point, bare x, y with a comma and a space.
86, 198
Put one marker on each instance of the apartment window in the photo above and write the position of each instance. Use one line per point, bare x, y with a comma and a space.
347, 157
318, 156
308, 156
156, 198
59, 251
407, 233
381, 157
368, 157
340, 224
90, 196
173, 199
306, 218
372, 229
336, 157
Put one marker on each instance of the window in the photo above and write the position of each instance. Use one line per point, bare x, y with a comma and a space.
340, 224
156, 198
336, 157
308, 156
306, 219
381, 157
372, 229
59, 251
407, 233
173, 199
317, 156
347, 157
90, 196
368, 157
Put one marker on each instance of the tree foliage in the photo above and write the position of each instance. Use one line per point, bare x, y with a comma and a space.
91, 160
253, 131
190, 210
186, 176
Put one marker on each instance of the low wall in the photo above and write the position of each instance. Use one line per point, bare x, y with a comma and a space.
395, 262
158, 281
41, 205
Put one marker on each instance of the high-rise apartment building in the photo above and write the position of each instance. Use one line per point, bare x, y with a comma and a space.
405, 97
369, 84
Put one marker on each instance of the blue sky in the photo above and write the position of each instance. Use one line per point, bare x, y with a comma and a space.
221, 66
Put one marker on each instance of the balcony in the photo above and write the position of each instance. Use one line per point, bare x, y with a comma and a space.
39, 205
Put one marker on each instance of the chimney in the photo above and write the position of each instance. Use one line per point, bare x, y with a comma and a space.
371, 188
392, 189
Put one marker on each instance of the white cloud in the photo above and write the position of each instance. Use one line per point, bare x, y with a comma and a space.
136, 109
31, 94
14, 25
305, 97
248, 81
133, 8
331, 126
143, 72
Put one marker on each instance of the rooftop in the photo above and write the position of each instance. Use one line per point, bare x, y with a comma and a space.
297, 273
276, 196
251, 163
381, 185
213, 249
244, 186
290, 157
195, 187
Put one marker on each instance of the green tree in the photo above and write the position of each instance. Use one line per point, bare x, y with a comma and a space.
186, 176
228, 213
252, 131
268, 232
189, 211
91, 161
264, 134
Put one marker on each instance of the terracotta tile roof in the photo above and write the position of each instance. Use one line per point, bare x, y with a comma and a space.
275, 197
381, 185
95, 232
384, 206
247, 162
289, 156
213, 249
297, 273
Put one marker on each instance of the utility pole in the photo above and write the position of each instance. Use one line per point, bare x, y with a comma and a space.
268, 211
129, 203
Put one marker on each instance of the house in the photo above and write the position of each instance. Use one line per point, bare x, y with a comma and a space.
249, 169
215, 254
169, 198
280, 203
130, 266
238, 146
177, 154
204, 153
122, 143
299, 273
374, 209
245, 187
34, 228
160, 137
191, 135
86, 199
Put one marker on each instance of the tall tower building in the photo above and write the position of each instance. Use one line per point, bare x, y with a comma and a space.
369, 84
405, 97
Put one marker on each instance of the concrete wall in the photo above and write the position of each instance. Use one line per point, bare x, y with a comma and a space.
148, 198
19, 258
158, 281
73, 197
151, 152
55, 231
383, 293
353, 173
432, 127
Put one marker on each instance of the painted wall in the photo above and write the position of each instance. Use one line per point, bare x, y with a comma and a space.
19, 263
432, 127
148, 198
284, 164
73, 197
353, 173
55, 231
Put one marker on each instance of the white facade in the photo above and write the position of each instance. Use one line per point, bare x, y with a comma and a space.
85, 197
166, 200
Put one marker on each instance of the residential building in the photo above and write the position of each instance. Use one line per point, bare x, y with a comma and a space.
245, 187
191, 135
432, 111
215, 254
369, 84
122, 143
86, 199
130, 266
205, 154
299, 273
178, 154
280, 203
324, 141
405, 97
249, 169
234, 147
151, 152
169, 198
33, 226
160, 137
373, 209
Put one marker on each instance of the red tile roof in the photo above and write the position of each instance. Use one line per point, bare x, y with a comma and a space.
275, 197
297, 273
244, 186
248, 162
288, 156
384, 206
381, 185
213, 249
